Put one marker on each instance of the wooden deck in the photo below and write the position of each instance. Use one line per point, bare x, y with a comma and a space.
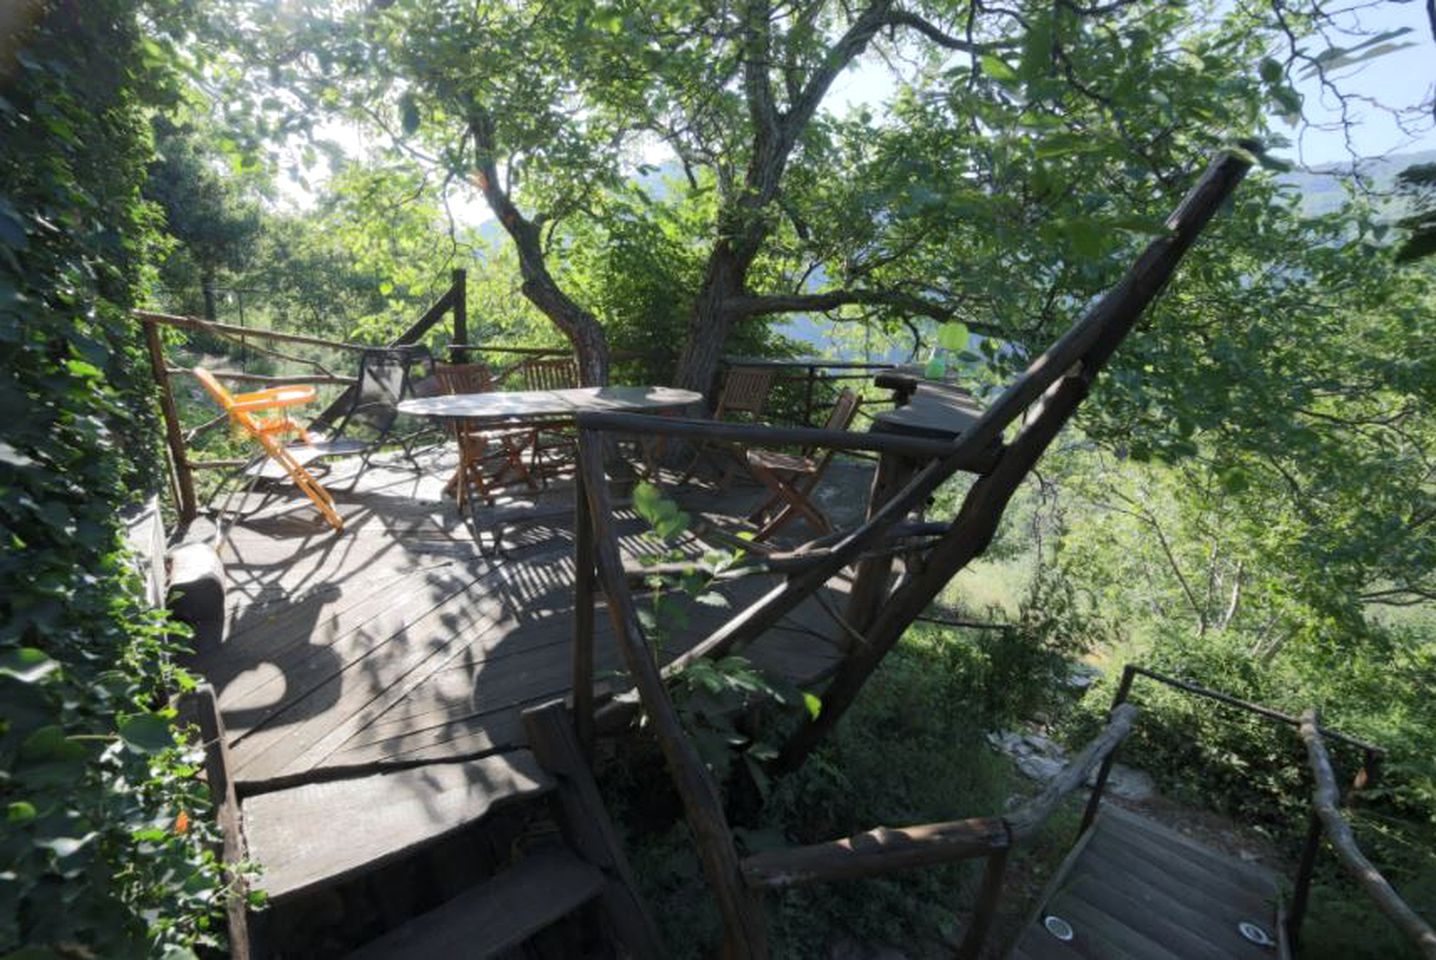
1132, 888
396, 643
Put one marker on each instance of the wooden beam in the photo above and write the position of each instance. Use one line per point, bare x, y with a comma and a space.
1325, 798
744, 933
765, 436
207, 326
239, 377
588, 828
199, 708
187, 503
459, 286
877, 851
583, 625
1028, 819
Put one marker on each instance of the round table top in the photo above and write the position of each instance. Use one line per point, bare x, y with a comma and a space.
547, 404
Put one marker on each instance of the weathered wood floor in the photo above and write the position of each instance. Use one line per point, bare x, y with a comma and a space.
396, 643
1133, 888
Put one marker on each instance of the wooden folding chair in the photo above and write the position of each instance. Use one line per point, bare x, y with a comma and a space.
552, 447
268, 431
745, 392
474, 437
792, 478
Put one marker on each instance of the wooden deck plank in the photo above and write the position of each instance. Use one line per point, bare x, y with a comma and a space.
397, 642
322, 832
1136, 888
496, 916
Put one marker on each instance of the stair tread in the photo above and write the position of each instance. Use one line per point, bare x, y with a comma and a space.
497, 915
318, 834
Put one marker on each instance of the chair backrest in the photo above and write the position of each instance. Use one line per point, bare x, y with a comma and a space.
845, 408
557, 374
387, 375
225, 399
745, 390
465, 377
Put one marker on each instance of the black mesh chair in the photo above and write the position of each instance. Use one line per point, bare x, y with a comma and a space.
370, 410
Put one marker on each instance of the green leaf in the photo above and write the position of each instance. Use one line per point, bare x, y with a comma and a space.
147, 733
1271, 70
19, 811
813, 704
998, 69
26, 664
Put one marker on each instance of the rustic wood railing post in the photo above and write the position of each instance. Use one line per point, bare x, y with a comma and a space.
1325, 801
986, 907
188, 504
1301, 886
460, 294
745, 937
1124, 688
583, 625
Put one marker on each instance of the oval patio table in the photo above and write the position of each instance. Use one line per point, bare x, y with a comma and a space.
534, 408
548, 404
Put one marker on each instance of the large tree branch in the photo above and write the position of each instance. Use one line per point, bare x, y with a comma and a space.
750, 305
847, 49
902, 18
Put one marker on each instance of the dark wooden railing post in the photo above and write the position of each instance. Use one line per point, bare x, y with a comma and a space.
1124, 688
986, 906
583, 624
187, 503
459, 291
808, 395
745, 937
1301, 887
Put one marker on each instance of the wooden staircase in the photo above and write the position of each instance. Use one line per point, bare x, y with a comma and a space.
1131, 887
313, 840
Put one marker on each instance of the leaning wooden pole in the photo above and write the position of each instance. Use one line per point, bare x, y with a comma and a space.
188, 503
1324, 800
1060, 379
744, 935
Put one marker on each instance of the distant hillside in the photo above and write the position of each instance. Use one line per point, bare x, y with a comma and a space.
1321, 187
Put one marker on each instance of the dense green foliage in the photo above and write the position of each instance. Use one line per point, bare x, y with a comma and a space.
91, 860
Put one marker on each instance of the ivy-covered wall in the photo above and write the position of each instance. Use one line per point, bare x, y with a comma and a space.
102, 852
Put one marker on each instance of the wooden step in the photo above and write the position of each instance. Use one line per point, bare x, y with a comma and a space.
497, 915
318, 834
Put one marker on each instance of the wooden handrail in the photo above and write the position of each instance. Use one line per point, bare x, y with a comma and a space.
1026, 821
763, 435
1197, 689
1325, 798
877, 851
214, 326
286, 381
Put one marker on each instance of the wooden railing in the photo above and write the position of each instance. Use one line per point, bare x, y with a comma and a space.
453, 303
1324, 819
1060, 378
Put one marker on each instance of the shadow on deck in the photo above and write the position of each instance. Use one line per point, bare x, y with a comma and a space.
397, 643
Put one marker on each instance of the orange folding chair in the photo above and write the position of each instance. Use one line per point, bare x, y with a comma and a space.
269, 431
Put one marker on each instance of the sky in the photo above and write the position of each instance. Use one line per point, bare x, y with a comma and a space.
1404, 79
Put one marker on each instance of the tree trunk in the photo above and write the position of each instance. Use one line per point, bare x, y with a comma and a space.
710, 323
582, 328
206, 286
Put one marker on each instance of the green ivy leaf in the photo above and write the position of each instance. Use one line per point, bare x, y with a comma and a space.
27, 664
147, 733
